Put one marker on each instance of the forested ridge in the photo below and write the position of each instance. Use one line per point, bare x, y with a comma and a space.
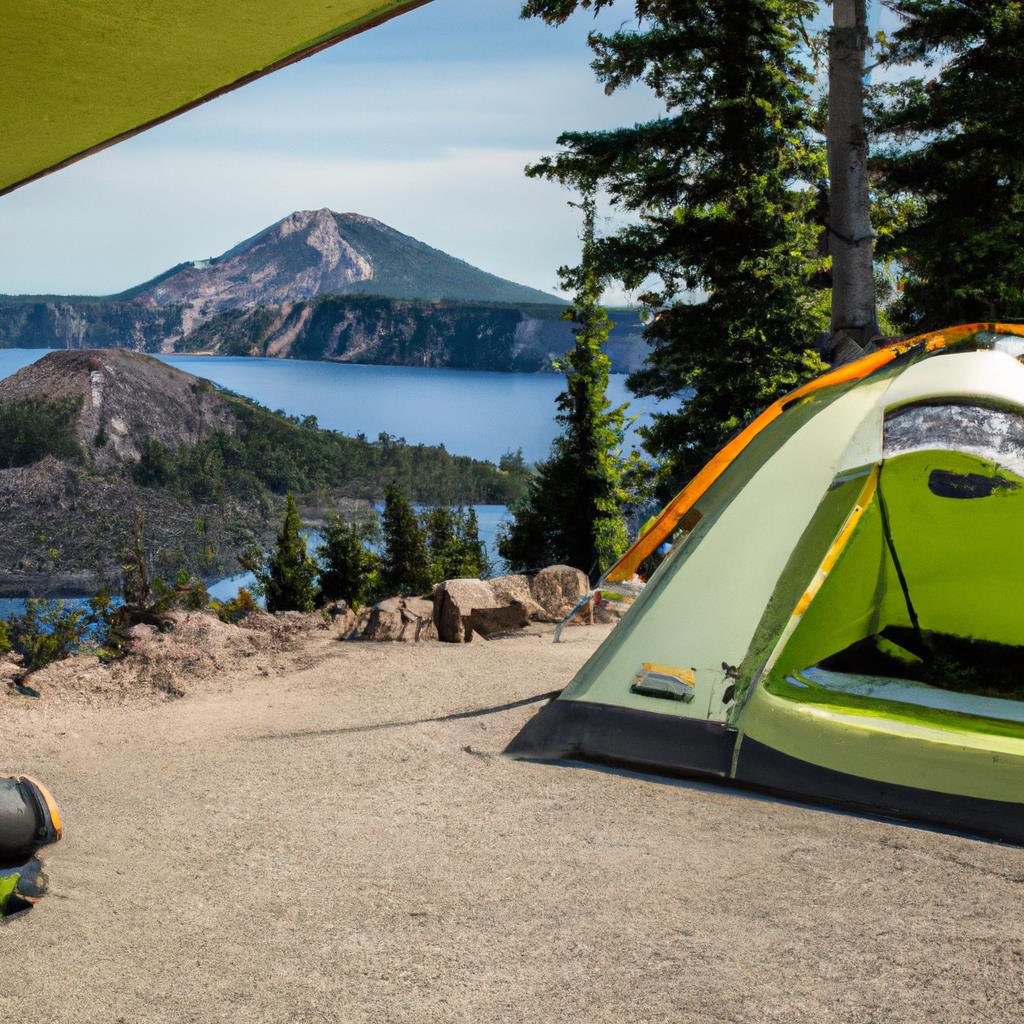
93, 437
271, 453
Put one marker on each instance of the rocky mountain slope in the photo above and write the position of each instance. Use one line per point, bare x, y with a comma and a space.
320, 252
124, 402
321, 285
365, 329
89, 437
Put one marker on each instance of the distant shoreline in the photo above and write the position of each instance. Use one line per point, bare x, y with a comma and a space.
48, 585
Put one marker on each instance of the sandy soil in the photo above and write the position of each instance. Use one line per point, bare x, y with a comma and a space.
251, 853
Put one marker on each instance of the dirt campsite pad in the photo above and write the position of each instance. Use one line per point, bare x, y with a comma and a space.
265, 849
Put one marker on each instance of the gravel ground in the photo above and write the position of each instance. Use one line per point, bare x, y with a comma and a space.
251, 853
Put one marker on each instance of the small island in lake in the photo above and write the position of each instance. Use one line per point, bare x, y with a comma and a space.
89, 437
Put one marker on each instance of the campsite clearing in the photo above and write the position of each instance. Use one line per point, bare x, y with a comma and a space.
254, 852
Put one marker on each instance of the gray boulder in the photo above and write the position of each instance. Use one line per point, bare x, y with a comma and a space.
342, 617
558, 589
400, 618
467, 606
508, 589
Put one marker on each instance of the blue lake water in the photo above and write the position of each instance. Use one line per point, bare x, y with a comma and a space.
470, 412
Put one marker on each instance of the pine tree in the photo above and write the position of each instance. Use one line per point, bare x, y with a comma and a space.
405, 567
456, 550
574, 510
952, 176
287, 578
350, 568
473, 550
724, 188
135, 583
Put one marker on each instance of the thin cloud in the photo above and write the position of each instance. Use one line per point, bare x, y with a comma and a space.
426, 124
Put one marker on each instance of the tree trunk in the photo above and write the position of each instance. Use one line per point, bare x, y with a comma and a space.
854, 316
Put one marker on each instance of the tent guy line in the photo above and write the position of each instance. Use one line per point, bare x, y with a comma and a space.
455, 716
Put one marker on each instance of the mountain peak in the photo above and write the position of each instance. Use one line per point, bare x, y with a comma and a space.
323, 252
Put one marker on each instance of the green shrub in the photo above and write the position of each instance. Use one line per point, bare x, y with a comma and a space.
48, 631
240, 607
102, 614
194, 597
156, 467
32, 428
187, 591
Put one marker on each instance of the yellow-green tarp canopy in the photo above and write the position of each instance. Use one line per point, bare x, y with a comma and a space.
78, 75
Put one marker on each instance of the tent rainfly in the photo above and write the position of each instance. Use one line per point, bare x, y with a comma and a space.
840, 616
80, 75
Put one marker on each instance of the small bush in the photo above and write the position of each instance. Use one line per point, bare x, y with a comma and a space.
32, 428
238, 608
187, 592
194, 597
48, 631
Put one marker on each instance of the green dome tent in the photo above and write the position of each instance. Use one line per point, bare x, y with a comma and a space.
842, 619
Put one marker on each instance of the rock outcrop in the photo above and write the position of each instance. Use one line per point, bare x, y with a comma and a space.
465, 607
516, 587
558, 589
343, 618
461, 608
400, 618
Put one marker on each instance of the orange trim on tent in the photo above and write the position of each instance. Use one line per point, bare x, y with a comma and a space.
674, 511
836, 549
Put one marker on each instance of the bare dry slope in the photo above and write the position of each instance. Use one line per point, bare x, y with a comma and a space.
254, 854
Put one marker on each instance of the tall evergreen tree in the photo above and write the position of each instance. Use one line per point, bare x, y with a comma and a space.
405, 566
456, 550
287, 579
953, 173
723, 187
350, 567
574, 511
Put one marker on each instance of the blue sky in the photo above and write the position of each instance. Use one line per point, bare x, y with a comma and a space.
425, 123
